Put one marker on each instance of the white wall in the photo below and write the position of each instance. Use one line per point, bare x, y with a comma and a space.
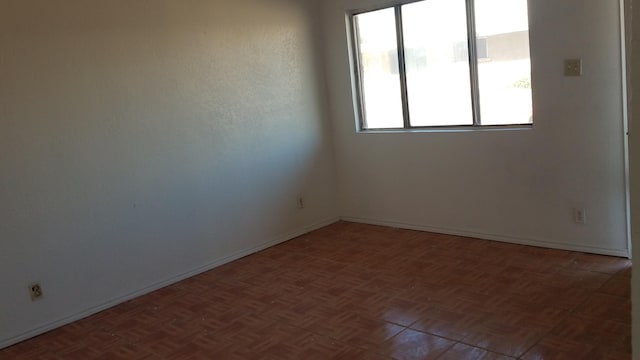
518, 186
143, 140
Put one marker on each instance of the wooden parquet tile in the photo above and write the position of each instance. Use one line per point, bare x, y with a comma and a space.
354, 291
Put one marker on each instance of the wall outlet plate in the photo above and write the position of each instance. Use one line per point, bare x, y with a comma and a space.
35, 290
573, 67
579, 216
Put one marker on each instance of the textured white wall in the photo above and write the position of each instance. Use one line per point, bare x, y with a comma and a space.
516, 186
142, 140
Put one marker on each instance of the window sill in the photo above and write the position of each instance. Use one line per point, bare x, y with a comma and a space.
448, 129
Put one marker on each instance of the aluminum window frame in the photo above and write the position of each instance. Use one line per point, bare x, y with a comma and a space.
473, 74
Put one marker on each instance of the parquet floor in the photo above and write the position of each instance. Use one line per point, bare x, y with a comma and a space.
354, 291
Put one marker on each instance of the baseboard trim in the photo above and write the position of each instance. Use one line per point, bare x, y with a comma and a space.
158, 285
495, 237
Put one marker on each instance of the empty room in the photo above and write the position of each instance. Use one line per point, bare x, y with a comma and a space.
318, 179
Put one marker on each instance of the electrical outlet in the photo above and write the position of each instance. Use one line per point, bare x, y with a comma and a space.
579, 216
300, 203
573, 67
35, 290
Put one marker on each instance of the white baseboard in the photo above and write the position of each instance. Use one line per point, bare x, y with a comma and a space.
158, 285
502, 238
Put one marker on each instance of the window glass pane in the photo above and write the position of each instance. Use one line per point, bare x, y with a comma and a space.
380, 80
437, 62
504, 65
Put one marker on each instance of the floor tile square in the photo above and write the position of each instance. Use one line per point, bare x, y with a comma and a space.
411, 344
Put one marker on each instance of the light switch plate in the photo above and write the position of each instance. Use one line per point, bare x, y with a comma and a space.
573, 67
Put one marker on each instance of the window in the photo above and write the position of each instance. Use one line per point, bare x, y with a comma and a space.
417, 67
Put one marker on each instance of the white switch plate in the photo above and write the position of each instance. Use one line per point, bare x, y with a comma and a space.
573, 67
